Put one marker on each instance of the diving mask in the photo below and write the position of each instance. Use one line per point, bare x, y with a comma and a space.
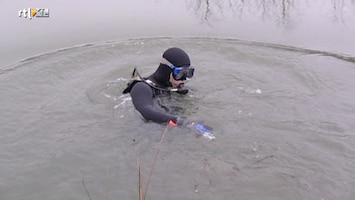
179, 73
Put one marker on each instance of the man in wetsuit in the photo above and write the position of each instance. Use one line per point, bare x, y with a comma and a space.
171, 75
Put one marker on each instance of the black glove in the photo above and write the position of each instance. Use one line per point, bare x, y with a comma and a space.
201, 128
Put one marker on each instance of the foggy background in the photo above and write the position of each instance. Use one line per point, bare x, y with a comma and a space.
324, 25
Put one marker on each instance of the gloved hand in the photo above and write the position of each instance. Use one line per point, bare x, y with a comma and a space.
201, 128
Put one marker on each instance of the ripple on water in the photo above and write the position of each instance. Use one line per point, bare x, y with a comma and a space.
282, 116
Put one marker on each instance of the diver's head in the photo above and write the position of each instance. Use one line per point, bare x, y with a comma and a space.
174, 67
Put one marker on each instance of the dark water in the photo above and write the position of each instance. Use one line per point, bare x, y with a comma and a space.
283, 118
283, 114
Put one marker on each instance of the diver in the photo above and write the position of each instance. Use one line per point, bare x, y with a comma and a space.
170, 76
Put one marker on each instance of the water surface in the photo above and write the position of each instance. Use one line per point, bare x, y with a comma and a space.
283, 121
277, 87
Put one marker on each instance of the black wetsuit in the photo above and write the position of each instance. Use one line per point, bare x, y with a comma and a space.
142, 97
143, 93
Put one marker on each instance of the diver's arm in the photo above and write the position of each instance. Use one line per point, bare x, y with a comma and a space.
142, 98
